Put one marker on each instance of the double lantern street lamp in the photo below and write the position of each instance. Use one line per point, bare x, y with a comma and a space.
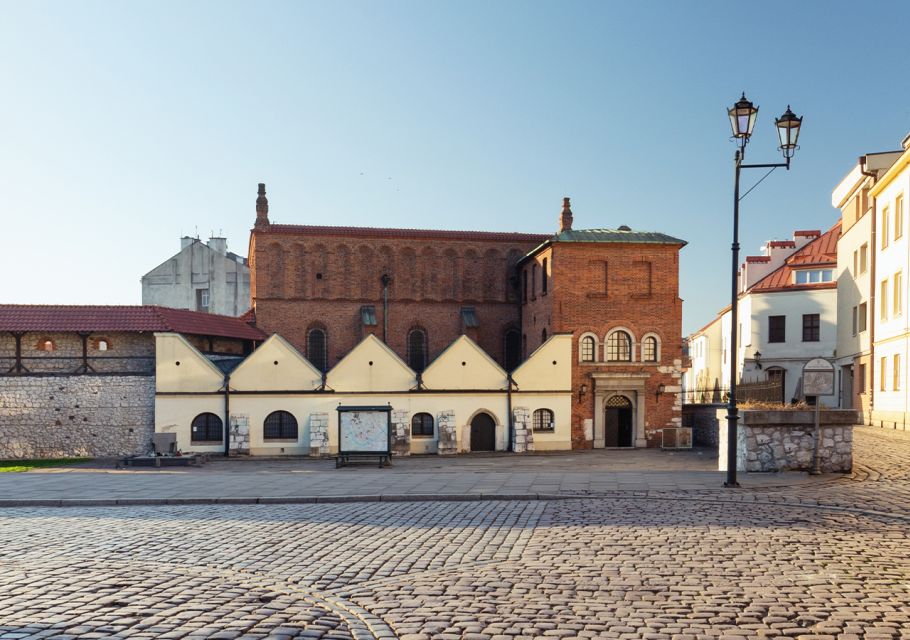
742, 119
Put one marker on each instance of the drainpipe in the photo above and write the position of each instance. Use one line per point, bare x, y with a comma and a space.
227, 415
509, 383
386, 279
873, 285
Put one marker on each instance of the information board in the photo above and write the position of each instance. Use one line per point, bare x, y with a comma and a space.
364, 430
818, 378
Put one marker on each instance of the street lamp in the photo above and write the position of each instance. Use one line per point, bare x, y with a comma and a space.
742, 120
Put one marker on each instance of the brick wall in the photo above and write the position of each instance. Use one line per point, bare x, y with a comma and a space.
301, 280
599, 287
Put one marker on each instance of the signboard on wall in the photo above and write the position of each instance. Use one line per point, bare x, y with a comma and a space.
818, 378
365, 430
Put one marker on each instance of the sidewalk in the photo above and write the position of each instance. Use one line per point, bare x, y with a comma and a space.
467, 477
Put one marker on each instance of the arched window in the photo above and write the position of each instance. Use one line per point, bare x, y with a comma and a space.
543, 277
543, 420
417, 349
103, 345
534, 269
543, 336
524, 285
619, 347
422, 425
587, 349
279, 425
207, 427
316, 351
46, 344
511, 349
649, 349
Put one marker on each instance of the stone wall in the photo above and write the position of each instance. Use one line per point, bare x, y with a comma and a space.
240, 434
522, 434
705, 420
785, 441
448, 444
319, 434
401, 433
63, 416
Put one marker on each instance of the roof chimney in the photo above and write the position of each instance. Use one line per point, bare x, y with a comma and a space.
565, 218
262, 209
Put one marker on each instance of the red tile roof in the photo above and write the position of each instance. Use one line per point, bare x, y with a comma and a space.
811, 233
122, 318
821, 252
782, 243
374, 232
758, 258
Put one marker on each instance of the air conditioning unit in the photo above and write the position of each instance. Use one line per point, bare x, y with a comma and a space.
676, 438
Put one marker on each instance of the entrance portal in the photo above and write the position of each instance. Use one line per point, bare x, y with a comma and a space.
483, 433
618, 422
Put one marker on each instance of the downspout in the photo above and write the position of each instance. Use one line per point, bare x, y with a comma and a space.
386, 279
872, 288
227, 415
509, 383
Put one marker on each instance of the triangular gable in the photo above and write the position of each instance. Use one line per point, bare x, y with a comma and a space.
180, 367
549, 368
464, 365
276, 365
371, 366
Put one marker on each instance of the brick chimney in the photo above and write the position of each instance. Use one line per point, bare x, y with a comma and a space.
262, 209
565, 218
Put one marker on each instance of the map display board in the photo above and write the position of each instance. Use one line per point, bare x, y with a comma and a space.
364, 430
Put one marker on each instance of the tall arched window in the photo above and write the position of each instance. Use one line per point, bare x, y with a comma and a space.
207, 427
649, 349
619, 347
511, 349
543, 336
422, 425
316, 349
534, 269
543, 420
524, 285
543, 277
587, 349
279, 425
417, 349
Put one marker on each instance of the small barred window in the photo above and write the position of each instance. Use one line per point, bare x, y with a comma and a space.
207, 427
422, 425
280, 425
543, 420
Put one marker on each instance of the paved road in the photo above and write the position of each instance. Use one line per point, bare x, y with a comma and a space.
802, 561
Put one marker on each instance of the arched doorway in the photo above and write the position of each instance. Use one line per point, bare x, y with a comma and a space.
483, 433
618, 422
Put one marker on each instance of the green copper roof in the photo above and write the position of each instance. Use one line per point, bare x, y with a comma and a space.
623, 234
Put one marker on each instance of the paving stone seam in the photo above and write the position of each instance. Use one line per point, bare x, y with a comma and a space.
734, 498
349, 611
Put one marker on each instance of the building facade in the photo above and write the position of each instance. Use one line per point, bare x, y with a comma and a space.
787, 312
891, 328
202, 277
615, 291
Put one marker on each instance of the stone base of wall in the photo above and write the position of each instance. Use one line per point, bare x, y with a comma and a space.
890, 420
785, 441
705, 420
448, 444
522, 434
319, 434
401, 433
76, 416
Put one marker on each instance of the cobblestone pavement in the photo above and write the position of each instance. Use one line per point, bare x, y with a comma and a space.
805, 561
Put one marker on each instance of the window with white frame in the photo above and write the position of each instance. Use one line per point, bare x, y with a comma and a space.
812, 276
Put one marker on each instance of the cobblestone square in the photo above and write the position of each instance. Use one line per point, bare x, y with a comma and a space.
806, 560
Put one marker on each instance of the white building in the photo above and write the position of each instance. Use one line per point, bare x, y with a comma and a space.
202, 277
701, 383
787, 316
891, 330
855, 268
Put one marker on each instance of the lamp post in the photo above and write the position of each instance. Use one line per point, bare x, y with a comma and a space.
742, 119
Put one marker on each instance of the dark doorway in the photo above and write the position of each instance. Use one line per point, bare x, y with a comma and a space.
618, 422
483, 433
778, 377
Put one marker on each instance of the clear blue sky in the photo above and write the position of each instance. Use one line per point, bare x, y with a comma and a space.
126, 124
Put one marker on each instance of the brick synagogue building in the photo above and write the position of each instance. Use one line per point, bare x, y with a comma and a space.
615, 291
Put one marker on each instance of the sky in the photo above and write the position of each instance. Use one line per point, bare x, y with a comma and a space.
124, 125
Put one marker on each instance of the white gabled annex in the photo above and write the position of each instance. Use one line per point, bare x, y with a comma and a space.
549, 368
464, 366
180, 367
275, 365
369, 367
